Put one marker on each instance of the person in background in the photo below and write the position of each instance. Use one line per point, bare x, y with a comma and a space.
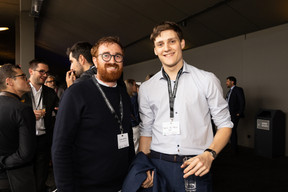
51, 82
175, 108
93, 139
135, 118
44, 101
149, 76
17, 131
82, 67
236, 101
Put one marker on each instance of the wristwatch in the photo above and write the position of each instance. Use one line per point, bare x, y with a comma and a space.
212, 152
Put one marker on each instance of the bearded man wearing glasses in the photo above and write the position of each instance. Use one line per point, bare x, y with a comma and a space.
44, 101
93, 139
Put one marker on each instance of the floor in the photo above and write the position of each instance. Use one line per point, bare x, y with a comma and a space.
247, 172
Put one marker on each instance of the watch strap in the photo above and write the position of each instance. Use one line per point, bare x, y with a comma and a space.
213, 153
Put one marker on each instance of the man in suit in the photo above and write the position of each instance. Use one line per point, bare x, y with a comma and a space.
236, 101
44, 100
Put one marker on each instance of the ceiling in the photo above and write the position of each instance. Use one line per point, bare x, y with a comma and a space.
62, 23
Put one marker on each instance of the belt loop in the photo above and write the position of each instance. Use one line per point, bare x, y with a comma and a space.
175, 158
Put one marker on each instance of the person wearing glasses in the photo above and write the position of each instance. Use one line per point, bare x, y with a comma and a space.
17, 132
44, 101
93, 139
82, 67
175, 108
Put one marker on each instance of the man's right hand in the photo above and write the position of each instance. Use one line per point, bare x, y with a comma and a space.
149, 180
70, 78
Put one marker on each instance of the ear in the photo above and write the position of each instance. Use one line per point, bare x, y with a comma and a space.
8, 82
182, 44
95, 61
81, 59
30, 71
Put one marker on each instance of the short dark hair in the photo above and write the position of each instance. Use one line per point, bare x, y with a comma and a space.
34, 63
7, 71
81, 48
166, 25
103, 40
232, 78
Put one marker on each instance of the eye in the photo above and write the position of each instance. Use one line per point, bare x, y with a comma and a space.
159, 44
106, 55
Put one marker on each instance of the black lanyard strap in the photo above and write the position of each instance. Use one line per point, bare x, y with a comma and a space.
110, 106
172, 95
33, 100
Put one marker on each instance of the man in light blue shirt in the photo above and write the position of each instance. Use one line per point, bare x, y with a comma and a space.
175, 107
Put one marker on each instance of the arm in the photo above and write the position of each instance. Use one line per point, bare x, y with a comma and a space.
144, 144
201, 164
65, 131
241, 101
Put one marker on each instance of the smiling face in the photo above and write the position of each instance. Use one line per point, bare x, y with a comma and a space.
108, 72
168, 48
39, 75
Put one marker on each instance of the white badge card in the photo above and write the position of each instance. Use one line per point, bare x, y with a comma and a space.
123, 140
171, 128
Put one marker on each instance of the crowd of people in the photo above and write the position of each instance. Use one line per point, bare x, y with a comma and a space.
108, 135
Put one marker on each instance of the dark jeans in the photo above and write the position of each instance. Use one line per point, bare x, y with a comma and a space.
174, 176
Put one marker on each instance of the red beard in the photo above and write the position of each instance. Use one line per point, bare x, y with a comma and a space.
109, 76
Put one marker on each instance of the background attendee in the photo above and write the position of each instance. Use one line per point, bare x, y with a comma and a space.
149, 76
17, 131
135, 118
93, 142
82, 67
52, 83
175, 108
236, 101
44, 100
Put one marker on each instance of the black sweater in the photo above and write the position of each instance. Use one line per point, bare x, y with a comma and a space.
85, 151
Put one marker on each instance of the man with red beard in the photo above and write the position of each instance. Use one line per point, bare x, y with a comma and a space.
93, 141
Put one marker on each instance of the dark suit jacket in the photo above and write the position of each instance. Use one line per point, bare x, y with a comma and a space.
50, 100
137, 175
237, 102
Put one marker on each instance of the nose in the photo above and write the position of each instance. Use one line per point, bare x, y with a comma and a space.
166, 47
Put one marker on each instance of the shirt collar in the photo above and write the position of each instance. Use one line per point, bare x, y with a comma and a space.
34, 89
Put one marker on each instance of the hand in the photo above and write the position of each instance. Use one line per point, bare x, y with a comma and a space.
199, 165
70, 77
39, 114
149, 180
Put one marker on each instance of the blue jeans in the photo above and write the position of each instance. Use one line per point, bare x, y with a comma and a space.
173, 174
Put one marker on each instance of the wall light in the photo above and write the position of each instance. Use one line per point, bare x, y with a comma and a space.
4, 28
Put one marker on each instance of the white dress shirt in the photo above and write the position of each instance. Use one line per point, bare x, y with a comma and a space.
199, 95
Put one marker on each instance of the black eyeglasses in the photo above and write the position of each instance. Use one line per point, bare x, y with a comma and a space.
23, 76
42, 72
107, 57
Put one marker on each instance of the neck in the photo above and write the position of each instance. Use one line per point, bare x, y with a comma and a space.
108, 84
36, 86
86, 66
172, 71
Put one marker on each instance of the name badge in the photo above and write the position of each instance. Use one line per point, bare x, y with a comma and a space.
171, 128
123, 140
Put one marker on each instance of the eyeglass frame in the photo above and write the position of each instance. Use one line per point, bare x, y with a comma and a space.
111, 57
23, 75
42, 72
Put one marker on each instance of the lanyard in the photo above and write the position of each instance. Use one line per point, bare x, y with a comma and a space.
110, 106
172, 95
